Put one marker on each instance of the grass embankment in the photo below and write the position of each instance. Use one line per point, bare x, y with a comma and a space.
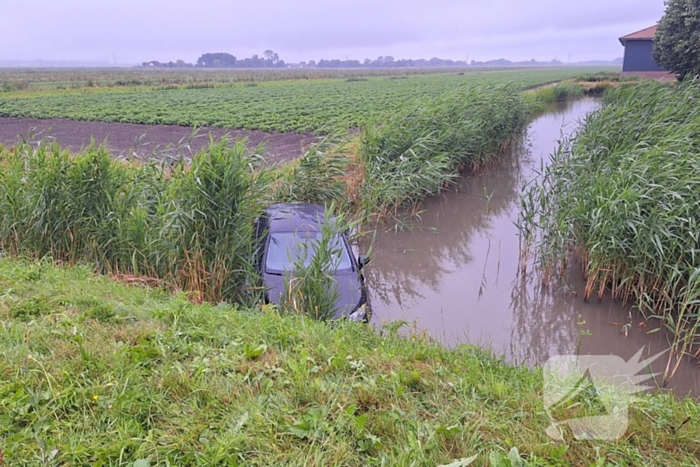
624, 194
100, 373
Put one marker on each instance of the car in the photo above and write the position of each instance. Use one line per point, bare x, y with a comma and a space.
288, 232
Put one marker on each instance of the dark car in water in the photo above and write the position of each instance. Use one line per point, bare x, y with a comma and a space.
287, 234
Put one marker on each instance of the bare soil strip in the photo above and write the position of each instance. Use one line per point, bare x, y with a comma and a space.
144, 141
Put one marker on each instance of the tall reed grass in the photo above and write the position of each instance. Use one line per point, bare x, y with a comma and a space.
426, 143
542, 97
190, 225
310, 289
624, 195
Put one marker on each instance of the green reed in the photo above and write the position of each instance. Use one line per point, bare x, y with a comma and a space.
624, 196
189, 224
426, 143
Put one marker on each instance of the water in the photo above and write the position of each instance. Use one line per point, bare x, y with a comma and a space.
455, 276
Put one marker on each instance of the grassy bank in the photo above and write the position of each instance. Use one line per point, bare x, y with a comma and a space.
423, 145
624, 195
101, 373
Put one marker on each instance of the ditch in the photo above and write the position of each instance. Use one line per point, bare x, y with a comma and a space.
456, 275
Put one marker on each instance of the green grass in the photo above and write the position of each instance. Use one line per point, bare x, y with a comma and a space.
100, 373
315, 105
624, 194
543, 97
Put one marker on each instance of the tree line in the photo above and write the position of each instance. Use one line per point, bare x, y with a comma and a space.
224, 60
271, 59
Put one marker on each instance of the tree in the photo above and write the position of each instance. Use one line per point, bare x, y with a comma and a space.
271, 56
216, 60
677, 41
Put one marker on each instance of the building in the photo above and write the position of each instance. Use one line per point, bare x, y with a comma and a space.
638, 59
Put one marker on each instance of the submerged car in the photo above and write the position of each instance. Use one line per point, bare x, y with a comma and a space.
287, 235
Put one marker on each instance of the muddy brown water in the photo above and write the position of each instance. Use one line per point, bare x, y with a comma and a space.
455, 275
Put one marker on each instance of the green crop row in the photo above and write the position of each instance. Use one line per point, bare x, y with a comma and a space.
318, 106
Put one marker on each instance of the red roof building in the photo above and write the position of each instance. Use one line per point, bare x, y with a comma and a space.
638, 56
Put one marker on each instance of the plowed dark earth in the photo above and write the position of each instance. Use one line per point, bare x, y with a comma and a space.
144, 141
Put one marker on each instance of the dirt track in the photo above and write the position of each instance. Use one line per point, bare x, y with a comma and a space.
143, 141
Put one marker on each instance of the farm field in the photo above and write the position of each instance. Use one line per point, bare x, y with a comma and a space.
139, 141
302, 105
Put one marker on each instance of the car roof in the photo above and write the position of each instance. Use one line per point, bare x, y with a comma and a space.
292, 217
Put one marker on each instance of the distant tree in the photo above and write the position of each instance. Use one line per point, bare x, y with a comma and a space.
216, 60
677, 41
271, 56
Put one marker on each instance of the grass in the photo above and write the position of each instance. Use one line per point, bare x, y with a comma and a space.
310, 290
542, 97
624, 195
95, 372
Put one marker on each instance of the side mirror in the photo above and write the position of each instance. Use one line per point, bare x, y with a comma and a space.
363, 260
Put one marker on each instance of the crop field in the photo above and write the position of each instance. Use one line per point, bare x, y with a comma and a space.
301, 105
46, 78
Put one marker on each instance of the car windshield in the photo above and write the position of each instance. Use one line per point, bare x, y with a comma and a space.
287, 248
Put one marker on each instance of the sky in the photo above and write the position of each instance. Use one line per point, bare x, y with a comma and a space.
133, 31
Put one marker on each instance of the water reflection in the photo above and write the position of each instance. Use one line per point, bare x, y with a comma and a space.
456, 275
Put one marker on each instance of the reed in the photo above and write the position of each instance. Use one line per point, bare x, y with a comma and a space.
311, 289
318, 176
187, 224
624, 196
426, 143
540, 98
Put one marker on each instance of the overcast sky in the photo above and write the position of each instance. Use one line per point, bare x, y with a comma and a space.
140, 30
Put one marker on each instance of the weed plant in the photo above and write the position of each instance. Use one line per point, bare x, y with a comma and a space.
310, 288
